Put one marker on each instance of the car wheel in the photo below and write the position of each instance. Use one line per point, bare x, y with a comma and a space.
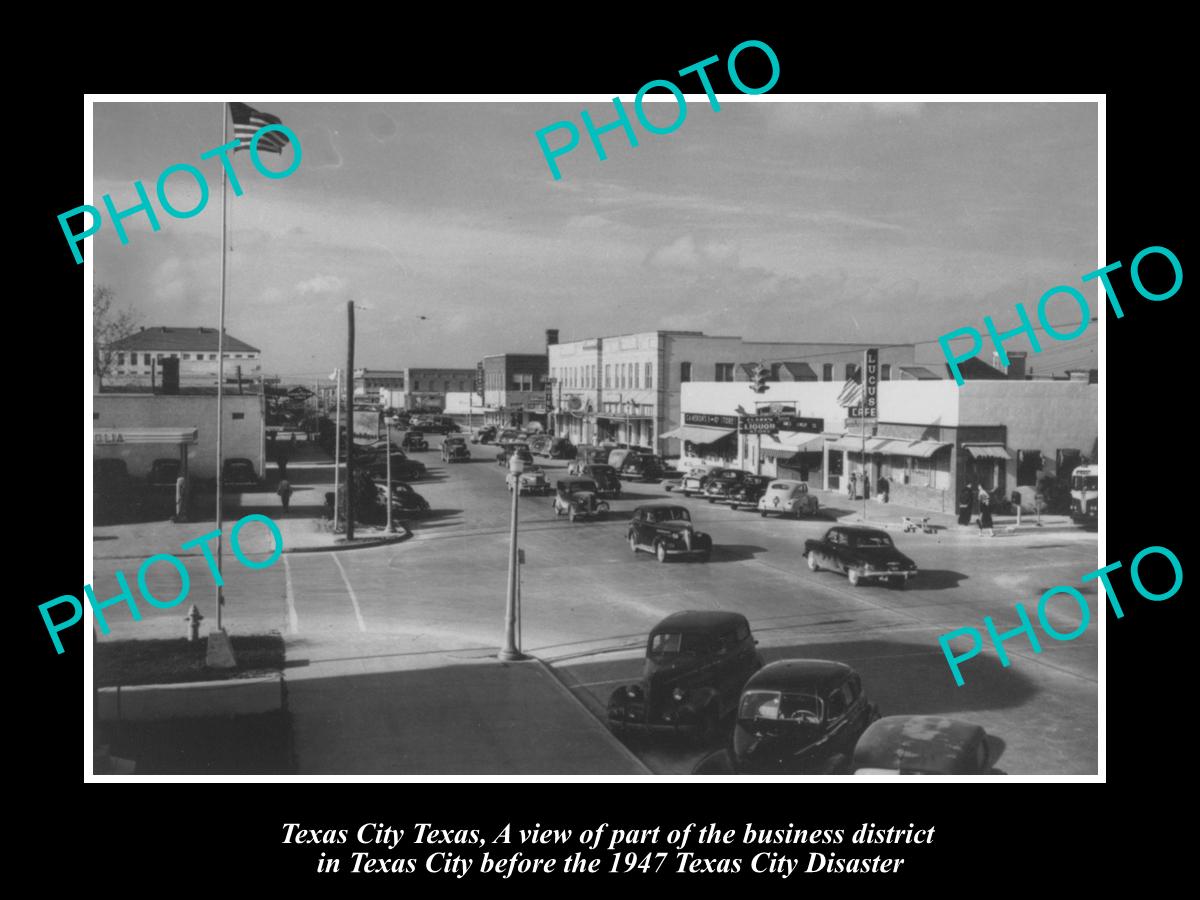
660, 551
763, 513
854, 576
812, 559
633, 542
686, 493
733, 506
711, 500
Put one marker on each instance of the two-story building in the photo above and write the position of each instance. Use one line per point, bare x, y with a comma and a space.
137, 359
514, 389
378, 385
626, 388
425, 389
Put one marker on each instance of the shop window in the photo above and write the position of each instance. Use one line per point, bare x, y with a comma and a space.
685, 372
240, 415
724, 372
649, 375
827, 372
1029, 465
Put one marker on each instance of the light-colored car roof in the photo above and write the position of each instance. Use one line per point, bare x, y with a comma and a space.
785, 482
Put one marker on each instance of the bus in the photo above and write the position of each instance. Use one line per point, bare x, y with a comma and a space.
1085, 493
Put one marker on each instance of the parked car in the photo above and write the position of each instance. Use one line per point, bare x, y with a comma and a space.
484, 435
378, 447
403, 468
561, 448
922, 745
405, 500
749, 492
860, 552
539, 444
163, 472
721, 482
436, 424
608, 484
587, 455
239, 472
532, 480
787, 497
796, 717
644, 466
454, 449
576, 497
511, 436
521, 450
666, 530
696, 664
414, 441
696, 478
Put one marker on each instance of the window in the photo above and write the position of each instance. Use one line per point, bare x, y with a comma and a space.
621, 369
145, 359
649, 375
212, 356
240, 415
836, 704
187, 356
851, 370
827, 372
120, 359
724, 372
685, 372
522, 381
637, 381
886, 372
1029, 463
416, 385
608, 376
446, 386
174, 356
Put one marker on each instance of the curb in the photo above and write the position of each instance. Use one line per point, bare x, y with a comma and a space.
600, 726
357, 545
193, 699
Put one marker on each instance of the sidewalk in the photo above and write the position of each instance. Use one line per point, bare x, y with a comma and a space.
358, 706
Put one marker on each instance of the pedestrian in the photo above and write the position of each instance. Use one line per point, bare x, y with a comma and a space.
181, 499
883, 488
293, 439
964, 505
284, 490
852, 486
985, 513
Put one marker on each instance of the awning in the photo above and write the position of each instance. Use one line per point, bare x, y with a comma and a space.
921, 449
144, 435
790, 444
697, 434
622, 418
854, 443
987, 451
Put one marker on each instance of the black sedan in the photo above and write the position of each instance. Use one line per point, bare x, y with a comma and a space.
721, 482
405, 500
403, 468
749, 492
795, 717
666, 530
861, 553
608, 483
922, 745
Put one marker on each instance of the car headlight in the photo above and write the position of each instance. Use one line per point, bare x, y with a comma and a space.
677, 694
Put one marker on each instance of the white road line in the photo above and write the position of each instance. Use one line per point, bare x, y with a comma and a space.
362, 626
293, 621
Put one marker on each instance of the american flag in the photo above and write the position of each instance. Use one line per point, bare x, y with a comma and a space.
247, 120
851, 394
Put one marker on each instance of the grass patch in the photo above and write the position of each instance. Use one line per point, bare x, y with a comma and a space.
180, 660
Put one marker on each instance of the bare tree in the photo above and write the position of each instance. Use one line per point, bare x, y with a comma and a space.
109, 325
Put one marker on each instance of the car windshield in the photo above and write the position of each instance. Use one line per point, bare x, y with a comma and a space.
581, 486
778, 706
870, 540
670, 514
668, 643
1084, 482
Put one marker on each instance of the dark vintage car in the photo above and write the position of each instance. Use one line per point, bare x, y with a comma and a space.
696, 664
239, 472
163, 473
861, 553
587, 455
577, 497
642, 466
531, 480
484, 435
521, 450
405, 500
749, 492
922, 745
696, 478
436, 424
403, 468
666, 530
608, 484
721, 482
414, 441
553, 447
454, 449
795, 717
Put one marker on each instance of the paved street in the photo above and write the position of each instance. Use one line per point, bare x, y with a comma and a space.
589, 603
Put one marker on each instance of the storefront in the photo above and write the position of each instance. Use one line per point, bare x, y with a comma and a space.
794, 455
706, 439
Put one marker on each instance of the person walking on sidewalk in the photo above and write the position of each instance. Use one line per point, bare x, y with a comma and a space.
883, 488
285, 492
851, 488
985, 513
964, 505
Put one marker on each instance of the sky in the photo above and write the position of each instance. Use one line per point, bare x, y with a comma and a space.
877, 222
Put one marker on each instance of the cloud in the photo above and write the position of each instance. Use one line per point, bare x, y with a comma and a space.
831, 120
688, 253
321, 284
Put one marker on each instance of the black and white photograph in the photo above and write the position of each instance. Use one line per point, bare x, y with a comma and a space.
501, 436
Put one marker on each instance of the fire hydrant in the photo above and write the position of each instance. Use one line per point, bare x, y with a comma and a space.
193, 618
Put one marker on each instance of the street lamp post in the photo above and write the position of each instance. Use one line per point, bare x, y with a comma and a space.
388, 449
510, 651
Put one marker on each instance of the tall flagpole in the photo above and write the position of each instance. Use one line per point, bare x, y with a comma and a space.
221, 375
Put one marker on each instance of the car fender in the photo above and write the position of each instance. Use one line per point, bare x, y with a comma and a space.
700, 698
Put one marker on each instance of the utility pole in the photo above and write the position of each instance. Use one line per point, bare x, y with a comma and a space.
350, 421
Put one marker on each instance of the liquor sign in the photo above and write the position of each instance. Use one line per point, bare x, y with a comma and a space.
758, 424
800, 423
869, 408
479, 378
549, 402
712, 421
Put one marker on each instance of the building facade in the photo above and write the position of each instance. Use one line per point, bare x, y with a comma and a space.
514, 389
378, 385
425, 390
930, 439
137, 359
627, 388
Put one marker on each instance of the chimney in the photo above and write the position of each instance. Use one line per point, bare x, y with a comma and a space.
1016, 365
551, 337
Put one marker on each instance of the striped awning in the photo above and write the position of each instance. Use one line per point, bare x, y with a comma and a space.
144, 435
854, 443
987, 451
698, 434
788, 445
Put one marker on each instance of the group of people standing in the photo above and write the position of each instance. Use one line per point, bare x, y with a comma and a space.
883, 487
976, 493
